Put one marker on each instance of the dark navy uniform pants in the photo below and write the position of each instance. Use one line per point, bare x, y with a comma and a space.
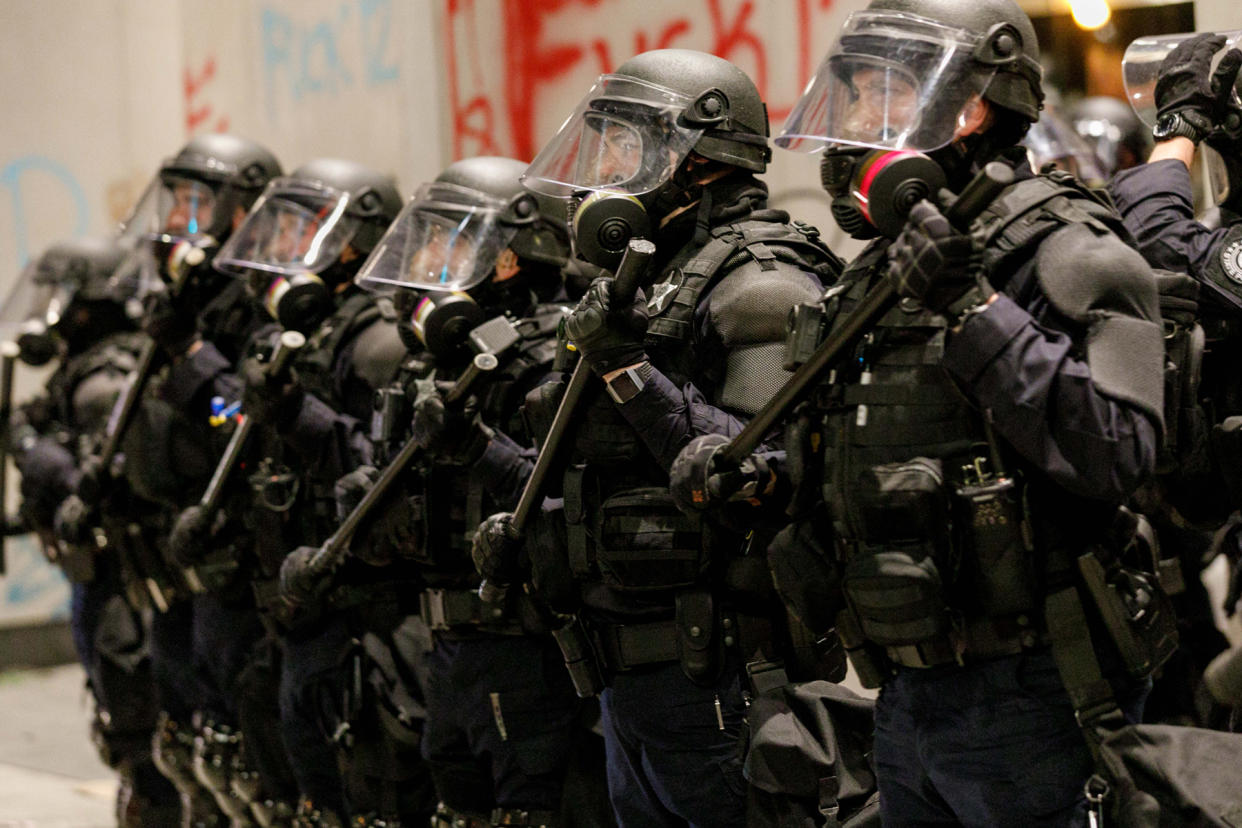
500, 716
994, 743
674, 755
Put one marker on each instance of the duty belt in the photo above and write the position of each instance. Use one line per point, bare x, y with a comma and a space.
980, 639
626, 646
446, 609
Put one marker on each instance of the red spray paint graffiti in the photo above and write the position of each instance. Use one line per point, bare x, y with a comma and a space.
501, 89
198, 114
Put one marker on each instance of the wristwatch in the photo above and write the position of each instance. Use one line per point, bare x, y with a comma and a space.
626, 385
1175, 125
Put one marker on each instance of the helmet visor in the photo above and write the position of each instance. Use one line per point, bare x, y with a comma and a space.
1140, 69
1051, 140
625, 136
173, 207
891, 81
295, 227
446, 239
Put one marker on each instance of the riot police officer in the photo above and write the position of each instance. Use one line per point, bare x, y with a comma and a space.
947, 479
1198, 489
1120, 140
297, 252
195, 201
667, 146
83, 292
469, 263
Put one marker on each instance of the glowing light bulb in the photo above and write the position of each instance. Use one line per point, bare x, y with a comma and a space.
1090, 14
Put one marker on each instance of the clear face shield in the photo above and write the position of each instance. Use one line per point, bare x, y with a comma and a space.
891, 81
1051, 140
448, 238
173, 208
625, 136
295, 227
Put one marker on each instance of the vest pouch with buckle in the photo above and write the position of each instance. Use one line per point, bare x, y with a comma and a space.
895, 576
645, 543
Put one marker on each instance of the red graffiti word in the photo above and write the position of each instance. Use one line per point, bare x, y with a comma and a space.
494, 105
197, 115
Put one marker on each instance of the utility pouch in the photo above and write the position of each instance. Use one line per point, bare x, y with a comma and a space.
893, 578
644, 542
1136, 612
996, 546
580, 659
699, 648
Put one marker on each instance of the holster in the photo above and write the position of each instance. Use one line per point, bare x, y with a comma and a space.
700, 647
580, 658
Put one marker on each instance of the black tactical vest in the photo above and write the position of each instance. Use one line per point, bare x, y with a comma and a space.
624, 531
931, 532
442, 502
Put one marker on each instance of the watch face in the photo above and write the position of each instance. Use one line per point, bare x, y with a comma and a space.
1165, 126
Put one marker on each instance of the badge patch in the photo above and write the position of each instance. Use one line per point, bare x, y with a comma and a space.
1231, 261
663, 293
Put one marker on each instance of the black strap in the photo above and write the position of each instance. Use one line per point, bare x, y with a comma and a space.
1078, 663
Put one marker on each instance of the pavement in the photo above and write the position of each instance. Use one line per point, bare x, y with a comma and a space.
50, 774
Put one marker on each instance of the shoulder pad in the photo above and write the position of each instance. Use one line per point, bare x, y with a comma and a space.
1099, 282
1082, 270
752, 303
378, 353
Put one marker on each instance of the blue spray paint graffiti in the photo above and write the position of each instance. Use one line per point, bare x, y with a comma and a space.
306, 58
32, 589
11, 177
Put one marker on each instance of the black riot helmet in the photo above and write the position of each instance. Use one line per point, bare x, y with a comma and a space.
901, 79
471, 244
1113, 130
196, 193
77, 291
636, 125
628, 142
308, 234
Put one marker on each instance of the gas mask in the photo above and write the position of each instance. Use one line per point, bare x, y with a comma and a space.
299, 302
602, 224
38, 345
439, 322
873, 190
182, 261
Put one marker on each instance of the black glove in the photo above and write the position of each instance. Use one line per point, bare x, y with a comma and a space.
1187, 86
300, 584
173, 327
93, 479
608, 338
74, 521
499, 554
451, 432
702, 479
270, 400
350, 488
936, 264
189, 540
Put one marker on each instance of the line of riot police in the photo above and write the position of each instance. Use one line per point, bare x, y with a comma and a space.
389, 514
